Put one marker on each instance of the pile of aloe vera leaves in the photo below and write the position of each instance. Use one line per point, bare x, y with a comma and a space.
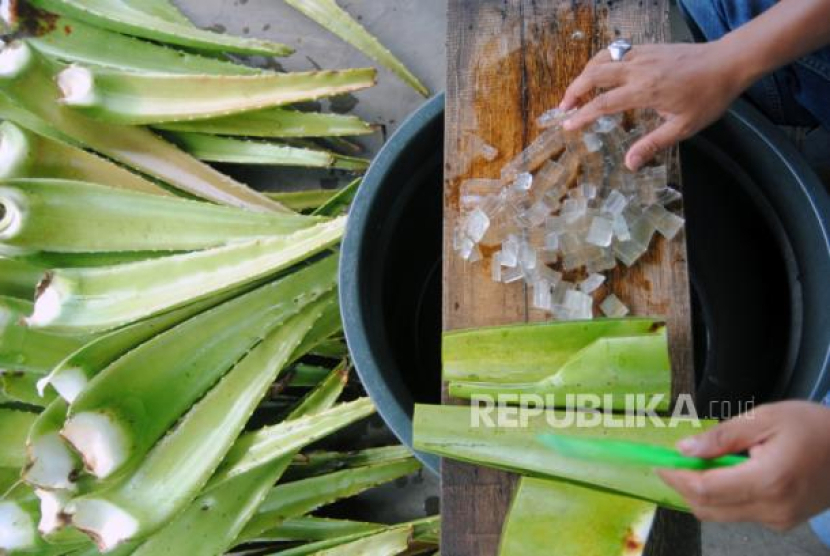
171, 350
563, 505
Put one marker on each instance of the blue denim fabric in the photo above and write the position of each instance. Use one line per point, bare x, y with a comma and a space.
821, 523
797, 94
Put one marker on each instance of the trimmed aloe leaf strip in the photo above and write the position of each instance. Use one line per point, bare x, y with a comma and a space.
218, 515
107, 297
79, 217
319, 463
18, 278
387, 541
473, 435
121, 17
151, 98
582, 521
338, 21
51, 463
301, 497
275, 123
526, 352
26, 79
14, 426
340, 202
310, 529
305, 376
25, 349
49, 260
168, 373
176, 469
619, 366
26, 154
21, 387
86, 44
71, 375
243, 151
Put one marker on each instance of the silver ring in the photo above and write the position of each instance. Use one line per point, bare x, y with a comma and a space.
619, 48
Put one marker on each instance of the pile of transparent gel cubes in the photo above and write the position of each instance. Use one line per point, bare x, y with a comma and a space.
566, 207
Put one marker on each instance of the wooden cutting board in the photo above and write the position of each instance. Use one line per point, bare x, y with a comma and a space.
509, 61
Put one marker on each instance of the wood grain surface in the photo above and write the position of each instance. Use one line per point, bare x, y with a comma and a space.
509, 61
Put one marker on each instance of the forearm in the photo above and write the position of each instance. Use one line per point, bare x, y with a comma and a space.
782, 34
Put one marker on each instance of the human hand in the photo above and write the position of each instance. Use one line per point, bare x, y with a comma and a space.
785, 480
689, 85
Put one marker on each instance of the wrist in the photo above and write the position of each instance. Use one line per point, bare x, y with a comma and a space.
740, 65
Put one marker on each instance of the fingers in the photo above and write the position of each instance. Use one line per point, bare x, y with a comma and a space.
610, 102
730, 486
594, 76
671, 132
736, 435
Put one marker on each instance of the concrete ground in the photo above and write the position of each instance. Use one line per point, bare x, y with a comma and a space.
415, 31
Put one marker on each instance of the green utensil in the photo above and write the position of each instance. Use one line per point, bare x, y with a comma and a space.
633, 453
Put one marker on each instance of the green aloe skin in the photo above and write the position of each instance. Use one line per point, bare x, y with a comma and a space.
577, 521
337, 20
456, 433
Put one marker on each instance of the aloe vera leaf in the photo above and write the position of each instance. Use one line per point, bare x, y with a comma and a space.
301, 497
218, 515
9, 477
455, 432
340, 202
18, 278
31, 98
176, 468
256, 449
309, 529
76, 217
51, 464
122, 17
388, 541
70, 376
25, 154
25, 349
581, 521
313, 464
167, 374
151, 98
619, 366
334, 18
48, 259
212, 148
305, 376
105, 298
73, 41
21, 387
302, 201
526, 352
14, 426
164, 9
18, 522
275, 123
325, 327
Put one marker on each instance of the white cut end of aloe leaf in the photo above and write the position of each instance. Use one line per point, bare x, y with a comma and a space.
99, 441
13, 150
14, 58
68, 383
17, 530
636, 543
51, 463
107, 524
77, 86
52, 517
12, 212
47, 304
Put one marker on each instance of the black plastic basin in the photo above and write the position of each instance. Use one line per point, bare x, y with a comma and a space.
759, 258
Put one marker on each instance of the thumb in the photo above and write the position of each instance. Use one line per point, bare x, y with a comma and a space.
736, 435
669, 133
